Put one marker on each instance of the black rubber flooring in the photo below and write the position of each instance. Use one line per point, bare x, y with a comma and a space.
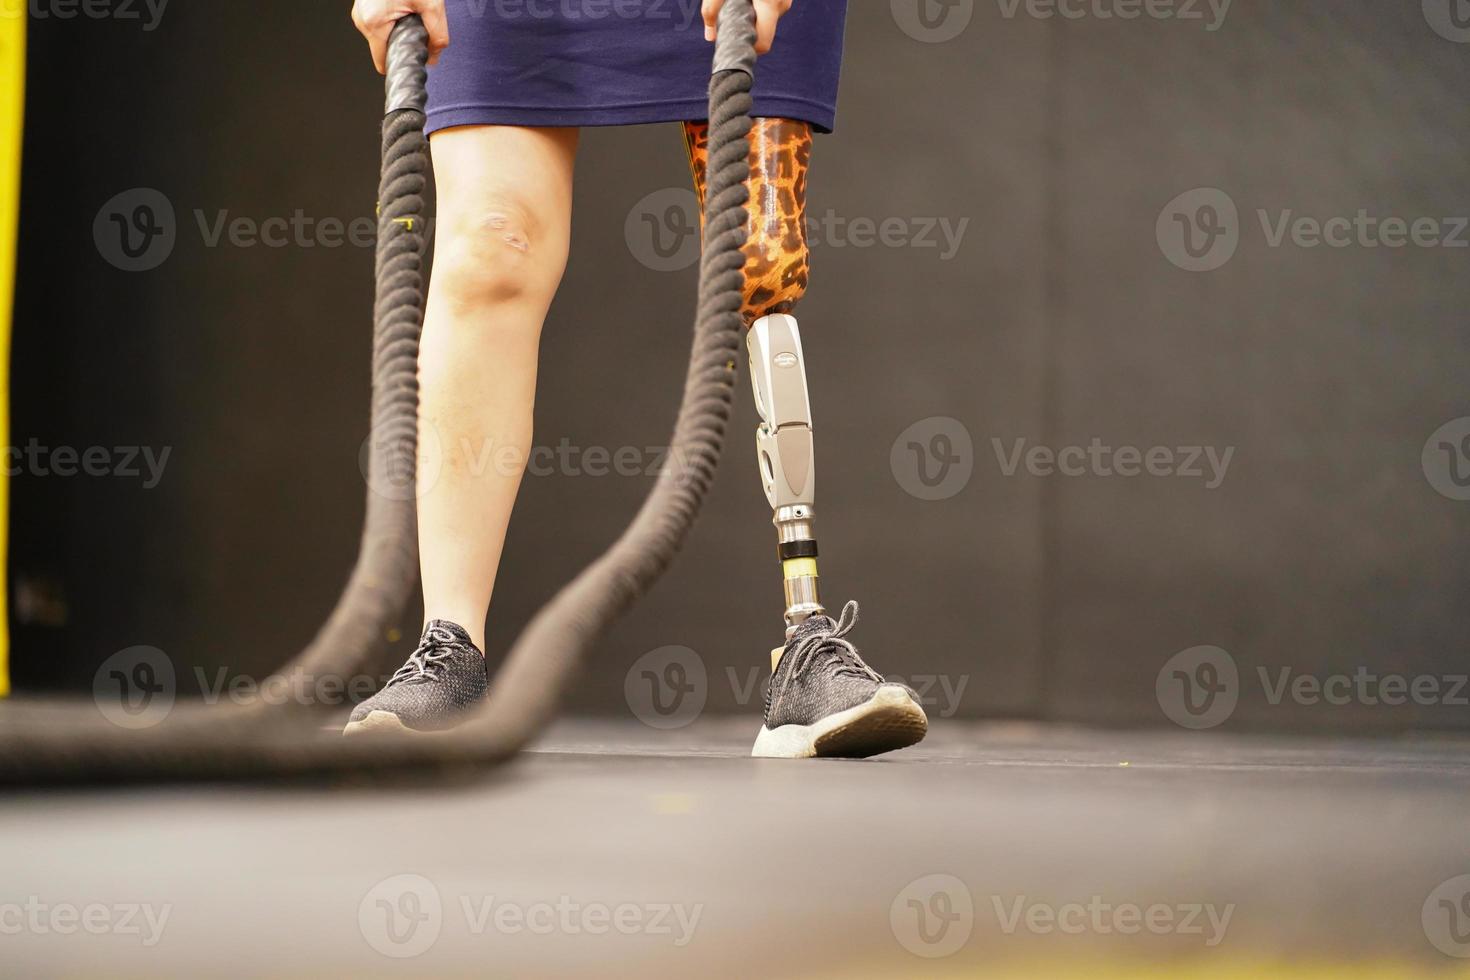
613, 849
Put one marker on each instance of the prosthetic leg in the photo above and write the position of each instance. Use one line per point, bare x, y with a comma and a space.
776, 275
822, 699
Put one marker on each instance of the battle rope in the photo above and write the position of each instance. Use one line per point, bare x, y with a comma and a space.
50, 744
387, 564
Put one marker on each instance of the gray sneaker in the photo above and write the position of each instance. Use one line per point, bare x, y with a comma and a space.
823, 700
442, 678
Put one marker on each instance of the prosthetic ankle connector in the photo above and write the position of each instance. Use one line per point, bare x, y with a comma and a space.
786, 455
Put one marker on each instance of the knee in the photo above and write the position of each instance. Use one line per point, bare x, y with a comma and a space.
502, 252
776, 270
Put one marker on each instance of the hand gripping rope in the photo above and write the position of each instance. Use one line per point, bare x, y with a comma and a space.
43, 743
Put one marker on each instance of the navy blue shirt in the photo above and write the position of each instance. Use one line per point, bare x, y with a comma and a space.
619, 62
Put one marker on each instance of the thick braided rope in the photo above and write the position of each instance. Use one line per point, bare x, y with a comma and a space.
44, 741
70, 746
382, 582
386, 571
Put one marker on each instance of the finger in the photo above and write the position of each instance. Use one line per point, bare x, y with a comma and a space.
377, 39
767, 18
767, 15
379, 52
711, 11
437, 24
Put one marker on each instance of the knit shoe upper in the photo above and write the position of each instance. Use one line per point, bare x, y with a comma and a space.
442, 678
820, 673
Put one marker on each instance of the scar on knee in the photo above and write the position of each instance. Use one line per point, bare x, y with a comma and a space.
509, 234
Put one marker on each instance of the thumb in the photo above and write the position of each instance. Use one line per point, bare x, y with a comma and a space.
711, 11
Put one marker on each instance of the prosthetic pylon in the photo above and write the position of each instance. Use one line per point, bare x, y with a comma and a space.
786, 455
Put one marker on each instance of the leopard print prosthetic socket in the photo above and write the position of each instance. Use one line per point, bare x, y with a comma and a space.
776, 261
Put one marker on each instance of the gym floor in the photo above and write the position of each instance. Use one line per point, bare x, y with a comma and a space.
1013, 850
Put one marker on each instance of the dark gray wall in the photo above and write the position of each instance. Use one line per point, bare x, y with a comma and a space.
1326, 549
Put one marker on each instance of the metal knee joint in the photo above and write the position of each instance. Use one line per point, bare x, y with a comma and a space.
786, 453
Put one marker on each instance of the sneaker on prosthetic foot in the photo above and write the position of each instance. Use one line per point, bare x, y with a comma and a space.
443, 678
824, 700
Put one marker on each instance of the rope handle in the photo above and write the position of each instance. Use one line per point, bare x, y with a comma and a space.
408, 59
735, 39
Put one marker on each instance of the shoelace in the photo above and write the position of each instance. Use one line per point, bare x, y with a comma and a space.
845, 657
428, 660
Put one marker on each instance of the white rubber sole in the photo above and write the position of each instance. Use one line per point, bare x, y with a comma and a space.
889, 720
377, 721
